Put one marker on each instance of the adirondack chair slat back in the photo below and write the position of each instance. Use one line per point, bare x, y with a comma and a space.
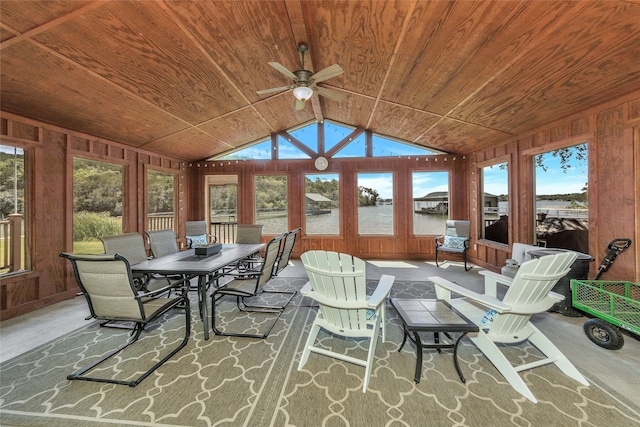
531, 286
340, 278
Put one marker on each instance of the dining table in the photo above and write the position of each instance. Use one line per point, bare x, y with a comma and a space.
206, 268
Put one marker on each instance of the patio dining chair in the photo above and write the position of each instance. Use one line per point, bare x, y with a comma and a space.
506, 322
338, 283
196, 234
251, 285
162, 242
108, 286
285, 254
455, 240
131, 246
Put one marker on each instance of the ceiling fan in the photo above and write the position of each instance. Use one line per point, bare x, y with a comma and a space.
305, 81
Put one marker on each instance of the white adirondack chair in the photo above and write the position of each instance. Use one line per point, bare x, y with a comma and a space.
338, 283
508, 320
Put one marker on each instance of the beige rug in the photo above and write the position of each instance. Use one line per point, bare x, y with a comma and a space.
241, 381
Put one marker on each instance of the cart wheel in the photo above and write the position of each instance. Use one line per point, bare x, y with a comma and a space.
604, 334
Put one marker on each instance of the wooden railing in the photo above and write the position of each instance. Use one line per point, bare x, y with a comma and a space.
11, 241
160, 221
225, 232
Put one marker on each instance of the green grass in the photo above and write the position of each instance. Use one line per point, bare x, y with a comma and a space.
90, 247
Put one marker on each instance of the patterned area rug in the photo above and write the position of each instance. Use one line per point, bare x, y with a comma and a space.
252, 382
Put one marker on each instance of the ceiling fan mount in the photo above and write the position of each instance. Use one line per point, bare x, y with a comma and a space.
305, 81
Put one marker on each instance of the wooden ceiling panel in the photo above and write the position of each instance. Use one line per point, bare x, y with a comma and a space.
466, 137
138, 47
39, 84
359, 36
237, 128
185, 73
32, 14
555, 78
190, 144
242, 37
401, 122
353, 111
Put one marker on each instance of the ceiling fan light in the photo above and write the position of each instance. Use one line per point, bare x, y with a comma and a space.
302, 93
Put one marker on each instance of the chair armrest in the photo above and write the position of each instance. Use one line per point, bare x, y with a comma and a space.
445, 287
491, 281
383, 289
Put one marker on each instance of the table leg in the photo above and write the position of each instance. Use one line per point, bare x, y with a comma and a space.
202, 297
404, 340
455, 358
416, 378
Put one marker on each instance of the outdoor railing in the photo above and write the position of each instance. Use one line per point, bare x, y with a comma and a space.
11, 241
225, 232
160, 221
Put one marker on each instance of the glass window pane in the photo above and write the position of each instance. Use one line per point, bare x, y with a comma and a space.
259, 151
13, 221
334, 133
308, 135
287, 150
160, 200
384, 147
562, 209
322, 202
97, 203
430, 202
356, 148
495, 203
375, 203
271, 203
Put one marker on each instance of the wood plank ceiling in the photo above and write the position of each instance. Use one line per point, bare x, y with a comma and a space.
180, 77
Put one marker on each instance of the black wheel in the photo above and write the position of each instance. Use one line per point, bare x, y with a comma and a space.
604, 334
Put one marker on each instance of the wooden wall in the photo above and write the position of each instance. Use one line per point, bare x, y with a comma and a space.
50, 216
612, 132
403, 245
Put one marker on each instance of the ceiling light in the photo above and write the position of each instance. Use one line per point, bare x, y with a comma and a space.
302, 93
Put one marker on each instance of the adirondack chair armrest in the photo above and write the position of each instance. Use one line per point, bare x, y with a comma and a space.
306, 288
444, 288
382, 290
491, 281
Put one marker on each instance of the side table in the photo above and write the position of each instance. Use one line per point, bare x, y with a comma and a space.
430, 315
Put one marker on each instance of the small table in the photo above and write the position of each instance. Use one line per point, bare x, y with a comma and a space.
430, 315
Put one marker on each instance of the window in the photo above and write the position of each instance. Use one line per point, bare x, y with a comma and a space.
160, 200
495, 203
562, 210
13, 222
430, 202
271, 203
375, 203
97, 203
384, 146
322, 204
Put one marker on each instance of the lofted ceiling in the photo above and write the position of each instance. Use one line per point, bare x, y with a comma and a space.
180, 77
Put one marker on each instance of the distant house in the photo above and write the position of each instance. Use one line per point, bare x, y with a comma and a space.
317, 204
437, 202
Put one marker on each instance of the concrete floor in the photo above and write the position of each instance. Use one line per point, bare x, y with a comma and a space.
615, 370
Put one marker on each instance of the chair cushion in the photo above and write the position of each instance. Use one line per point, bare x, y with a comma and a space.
200, 240
454, 242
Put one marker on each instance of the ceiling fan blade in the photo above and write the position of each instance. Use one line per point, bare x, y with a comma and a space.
327, 73
300, 104
330, 94
278, 66
273, 89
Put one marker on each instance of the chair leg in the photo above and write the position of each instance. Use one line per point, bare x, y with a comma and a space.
437, 265
543, 344
242, 307
313, 333
371, 355
502, 364
136, 334
464, 255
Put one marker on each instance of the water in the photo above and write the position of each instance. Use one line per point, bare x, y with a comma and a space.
372, 220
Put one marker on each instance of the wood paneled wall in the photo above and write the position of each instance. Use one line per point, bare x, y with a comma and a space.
612, 132
403, 245
50, 215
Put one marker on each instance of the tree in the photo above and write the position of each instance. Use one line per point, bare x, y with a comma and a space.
367, 196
